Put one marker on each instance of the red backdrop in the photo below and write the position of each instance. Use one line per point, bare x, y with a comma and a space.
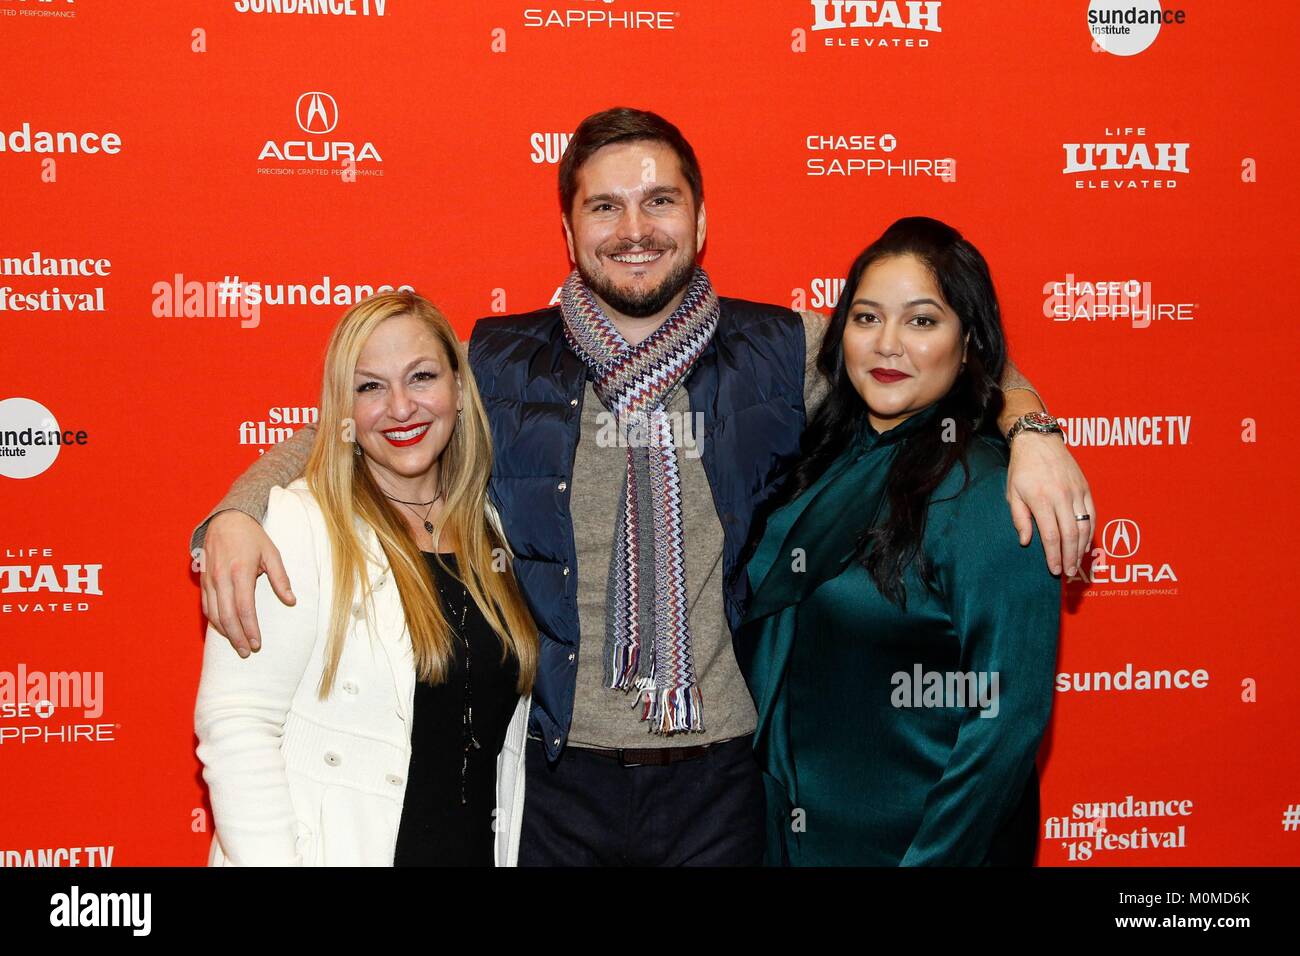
193, 152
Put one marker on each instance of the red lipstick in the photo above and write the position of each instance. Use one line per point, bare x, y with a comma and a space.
407, 437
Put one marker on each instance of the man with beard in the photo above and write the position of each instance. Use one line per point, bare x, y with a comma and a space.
637, 427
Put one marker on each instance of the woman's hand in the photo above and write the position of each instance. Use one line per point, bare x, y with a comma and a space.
235, 551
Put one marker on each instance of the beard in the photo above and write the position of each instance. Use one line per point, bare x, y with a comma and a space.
643, 303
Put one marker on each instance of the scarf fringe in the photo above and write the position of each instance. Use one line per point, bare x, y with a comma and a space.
620, 673
672, 709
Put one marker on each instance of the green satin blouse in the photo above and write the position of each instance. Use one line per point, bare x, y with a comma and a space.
870, 734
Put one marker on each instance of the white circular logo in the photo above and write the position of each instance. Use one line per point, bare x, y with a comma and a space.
29, 455
1124, 28
1121, 538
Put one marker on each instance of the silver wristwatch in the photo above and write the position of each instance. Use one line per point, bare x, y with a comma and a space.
1035, 422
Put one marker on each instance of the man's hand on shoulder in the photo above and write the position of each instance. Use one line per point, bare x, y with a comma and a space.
236, 550
1045, 485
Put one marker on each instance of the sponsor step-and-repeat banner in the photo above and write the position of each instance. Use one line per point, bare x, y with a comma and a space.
194, 193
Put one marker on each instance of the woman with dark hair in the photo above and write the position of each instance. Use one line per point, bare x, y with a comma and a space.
900, 643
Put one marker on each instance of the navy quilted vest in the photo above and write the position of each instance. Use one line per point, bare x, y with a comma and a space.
748, 383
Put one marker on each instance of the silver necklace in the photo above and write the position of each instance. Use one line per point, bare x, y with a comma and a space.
428, 525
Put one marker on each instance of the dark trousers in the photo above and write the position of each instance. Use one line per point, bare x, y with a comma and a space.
590, 810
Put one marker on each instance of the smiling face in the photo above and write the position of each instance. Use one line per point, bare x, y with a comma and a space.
903, 344
405, 399
634, 231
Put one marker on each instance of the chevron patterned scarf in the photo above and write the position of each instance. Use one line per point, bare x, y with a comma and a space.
646, 607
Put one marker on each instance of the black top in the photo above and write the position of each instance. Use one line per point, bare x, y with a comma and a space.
437, 829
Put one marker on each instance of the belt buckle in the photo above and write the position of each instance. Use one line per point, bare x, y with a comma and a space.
622, 759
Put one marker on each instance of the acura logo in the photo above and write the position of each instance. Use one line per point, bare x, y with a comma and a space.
1121, 538
317, 112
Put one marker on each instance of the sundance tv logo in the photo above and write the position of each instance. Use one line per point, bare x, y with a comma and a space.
320, 8
1126, 430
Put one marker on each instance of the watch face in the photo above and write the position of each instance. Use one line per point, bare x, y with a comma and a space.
1035, 422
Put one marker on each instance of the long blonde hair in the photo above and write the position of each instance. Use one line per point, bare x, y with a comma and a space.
346, 492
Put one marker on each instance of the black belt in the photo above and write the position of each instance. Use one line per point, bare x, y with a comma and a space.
650, 756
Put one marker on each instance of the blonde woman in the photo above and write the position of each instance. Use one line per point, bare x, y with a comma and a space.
384, 722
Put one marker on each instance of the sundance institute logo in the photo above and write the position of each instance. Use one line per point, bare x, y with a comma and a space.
31, 438
1127, 27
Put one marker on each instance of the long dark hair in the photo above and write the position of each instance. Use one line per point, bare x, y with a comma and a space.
924, 458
